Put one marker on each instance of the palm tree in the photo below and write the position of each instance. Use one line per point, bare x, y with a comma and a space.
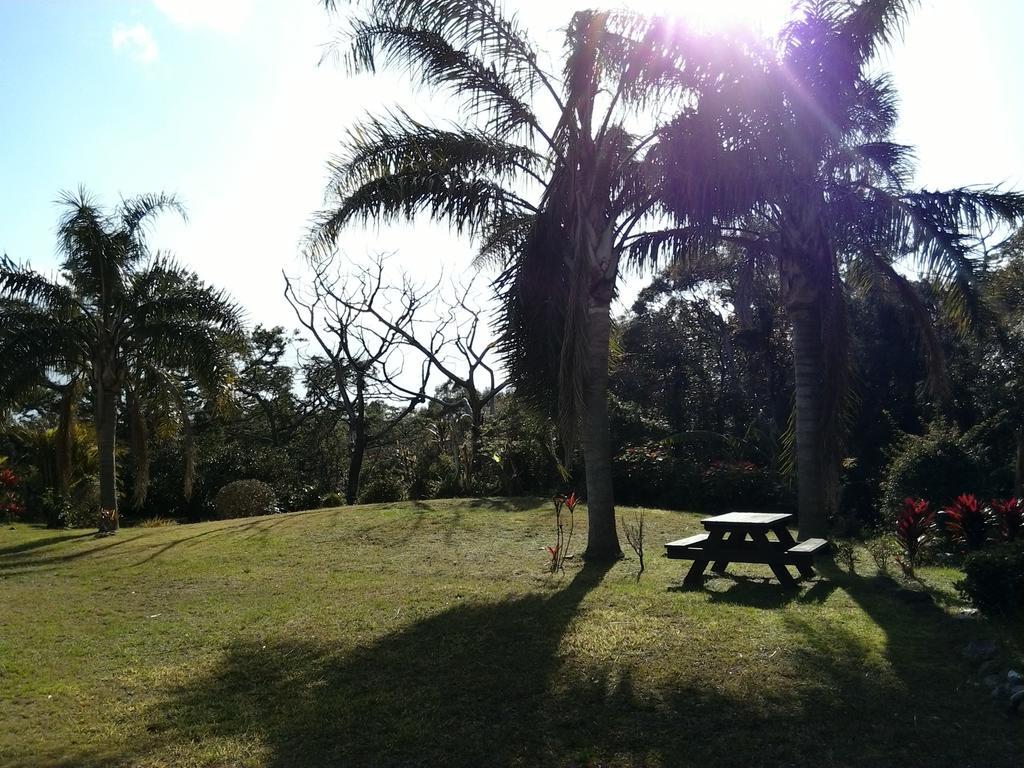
552, 201
136, 325
806, 164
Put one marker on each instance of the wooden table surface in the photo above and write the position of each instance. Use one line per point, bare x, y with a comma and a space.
747, 520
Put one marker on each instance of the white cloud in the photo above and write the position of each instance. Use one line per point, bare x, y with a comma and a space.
219, 15
137, 41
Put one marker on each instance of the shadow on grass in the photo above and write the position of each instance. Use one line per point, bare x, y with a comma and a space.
24, 559
464, 687
46, 541
507, 503
763, 592
493, 685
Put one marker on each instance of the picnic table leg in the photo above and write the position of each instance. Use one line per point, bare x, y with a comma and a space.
733, 537
806, 569
781, 572
693, 576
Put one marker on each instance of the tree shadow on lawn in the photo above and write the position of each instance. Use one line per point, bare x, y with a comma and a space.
944, 709
763, 592
24, 559
41, 543
508, 503
491, 685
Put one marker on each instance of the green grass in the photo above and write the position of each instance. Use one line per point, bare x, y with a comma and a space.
429, 634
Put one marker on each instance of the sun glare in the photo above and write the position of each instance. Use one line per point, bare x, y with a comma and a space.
766, 16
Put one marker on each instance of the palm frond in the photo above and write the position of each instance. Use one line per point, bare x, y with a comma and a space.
137, 212
501, 104
398, 144
464, 203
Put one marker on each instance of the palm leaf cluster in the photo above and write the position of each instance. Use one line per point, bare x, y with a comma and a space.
662, 145
134, 323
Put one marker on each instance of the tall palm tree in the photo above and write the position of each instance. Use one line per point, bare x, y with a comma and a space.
135, 324
542, 170
806, 164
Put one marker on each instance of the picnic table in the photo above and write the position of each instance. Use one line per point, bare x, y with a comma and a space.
743, 537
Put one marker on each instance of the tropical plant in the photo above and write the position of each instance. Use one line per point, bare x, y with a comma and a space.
915, 526
10, 505
564, 528
806, 161
1009, 517
552, 201
965, 522
137, 326
994, 579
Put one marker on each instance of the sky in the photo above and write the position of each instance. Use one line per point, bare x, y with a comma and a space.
226, 104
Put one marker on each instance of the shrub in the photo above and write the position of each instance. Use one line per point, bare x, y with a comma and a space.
10, 506
882, 549
965, 523
737, 484
647, 473
994, 578
245, 498
915, 525
1009, 518
332, 499
62, 510
380, 488
938, 465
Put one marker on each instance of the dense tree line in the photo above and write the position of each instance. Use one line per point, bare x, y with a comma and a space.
782, 355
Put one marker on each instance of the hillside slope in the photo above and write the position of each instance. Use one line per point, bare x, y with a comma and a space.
430, 634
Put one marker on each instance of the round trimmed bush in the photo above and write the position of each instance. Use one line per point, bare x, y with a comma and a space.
937, 466
245, 498
994, 579
332, 499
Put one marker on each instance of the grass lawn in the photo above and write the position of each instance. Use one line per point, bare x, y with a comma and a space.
429, 634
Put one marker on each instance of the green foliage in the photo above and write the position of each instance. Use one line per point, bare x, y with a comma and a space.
332, 499
994, 578
380, 487
60, 510
938, 465
651, 473
245, 498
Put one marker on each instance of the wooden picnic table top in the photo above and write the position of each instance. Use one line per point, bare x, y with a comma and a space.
747, 520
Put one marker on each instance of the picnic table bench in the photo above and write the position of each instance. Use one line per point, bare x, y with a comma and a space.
742, 537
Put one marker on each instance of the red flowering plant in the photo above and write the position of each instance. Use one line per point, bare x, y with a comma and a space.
9, 504
915, 525
965, 523
1009, 517
563, 529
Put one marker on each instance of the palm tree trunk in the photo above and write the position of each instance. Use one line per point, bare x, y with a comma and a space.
66, 436
1018, 474
106, 436
602, 538
809, 369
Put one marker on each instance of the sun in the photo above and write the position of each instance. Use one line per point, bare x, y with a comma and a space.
767, 16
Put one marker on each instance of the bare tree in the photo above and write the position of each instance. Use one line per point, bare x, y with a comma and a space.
452, 342
336, 310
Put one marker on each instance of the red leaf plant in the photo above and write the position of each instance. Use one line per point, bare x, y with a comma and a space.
915, 525
563, 529
9, 504
1009, 516
965, 524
